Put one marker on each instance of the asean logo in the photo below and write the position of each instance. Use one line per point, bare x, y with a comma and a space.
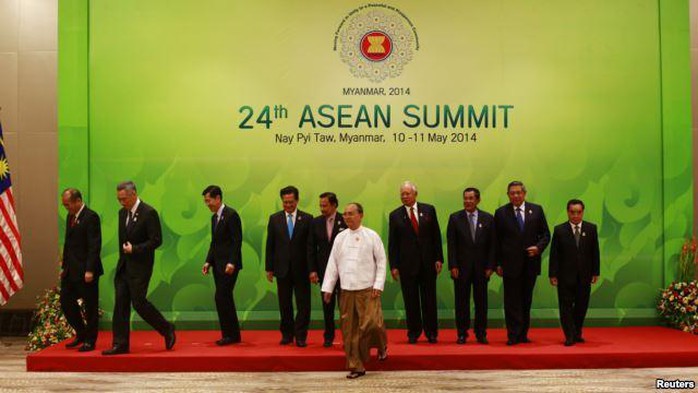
376, 41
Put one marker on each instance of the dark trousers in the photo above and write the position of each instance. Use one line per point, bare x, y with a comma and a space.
518, 296
419, 294
573, 300
328, 313
71, 291
462, 287
286, 288
132, 290
225, 304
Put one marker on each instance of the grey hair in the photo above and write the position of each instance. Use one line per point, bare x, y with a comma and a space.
126, 185
409, 184
516, 183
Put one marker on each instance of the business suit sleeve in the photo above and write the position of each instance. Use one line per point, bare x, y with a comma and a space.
209, 255
492, 251
153, 234
393, 243
312, 247
543, 233
65, 240
438, 242
94, 242
236, 229
269, 257
451, 243
595, 253
498, 254
554, 265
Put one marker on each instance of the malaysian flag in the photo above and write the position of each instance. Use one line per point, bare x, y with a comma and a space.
11, 272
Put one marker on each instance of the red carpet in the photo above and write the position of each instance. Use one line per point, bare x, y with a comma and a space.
627, 347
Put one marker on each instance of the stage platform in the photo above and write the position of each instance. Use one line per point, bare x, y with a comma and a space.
626, 347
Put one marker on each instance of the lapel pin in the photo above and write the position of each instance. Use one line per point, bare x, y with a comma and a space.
530, 212
479, 225
584, 233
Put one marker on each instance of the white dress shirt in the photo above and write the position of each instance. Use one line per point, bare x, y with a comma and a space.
219, 213
416, 211
357, 259
133, 210
523, 211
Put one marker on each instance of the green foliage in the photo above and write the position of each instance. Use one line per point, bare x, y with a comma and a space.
49, 325
678, 305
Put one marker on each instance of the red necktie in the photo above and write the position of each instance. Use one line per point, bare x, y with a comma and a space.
74, 221
415, 225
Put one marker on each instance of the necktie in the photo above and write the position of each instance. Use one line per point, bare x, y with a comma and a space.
289, 224
73, 221
576, 234
129, 219
214, 222
519, 219
472, 225
330, 225
415, 225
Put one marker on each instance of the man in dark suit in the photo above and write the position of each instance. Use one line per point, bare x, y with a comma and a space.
416, 258
574, 266
471, 259
287, 260
139, 235
225, 259
320, 240
522, 235
81, 269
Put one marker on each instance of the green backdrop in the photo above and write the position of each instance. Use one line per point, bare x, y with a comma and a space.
599, 109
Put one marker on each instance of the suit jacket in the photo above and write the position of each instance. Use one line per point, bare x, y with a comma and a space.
82, 245
408, 251
567, 260
463, 252
286, 254
226, 240
145, 235
512, 242
319, 246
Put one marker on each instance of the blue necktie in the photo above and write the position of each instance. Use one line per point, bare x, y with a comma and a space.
519, 219
289, 224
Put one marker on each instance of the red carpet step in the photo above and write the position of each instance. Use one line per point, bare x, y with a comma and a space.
626, 347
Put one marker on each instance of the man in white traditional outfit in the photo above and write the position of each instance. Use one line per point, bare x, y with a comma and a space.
358, 260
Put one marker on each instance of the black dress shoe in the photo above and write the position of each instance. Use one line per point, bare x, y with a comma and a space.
512, 342
170, 338
86, 347
432, 340
115, 350
482, 340
525, 340
286, 340
579, 339
461, 340
569, 342
412, 340
356, 374
76, 342
301, 343
328, 343
227, 341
